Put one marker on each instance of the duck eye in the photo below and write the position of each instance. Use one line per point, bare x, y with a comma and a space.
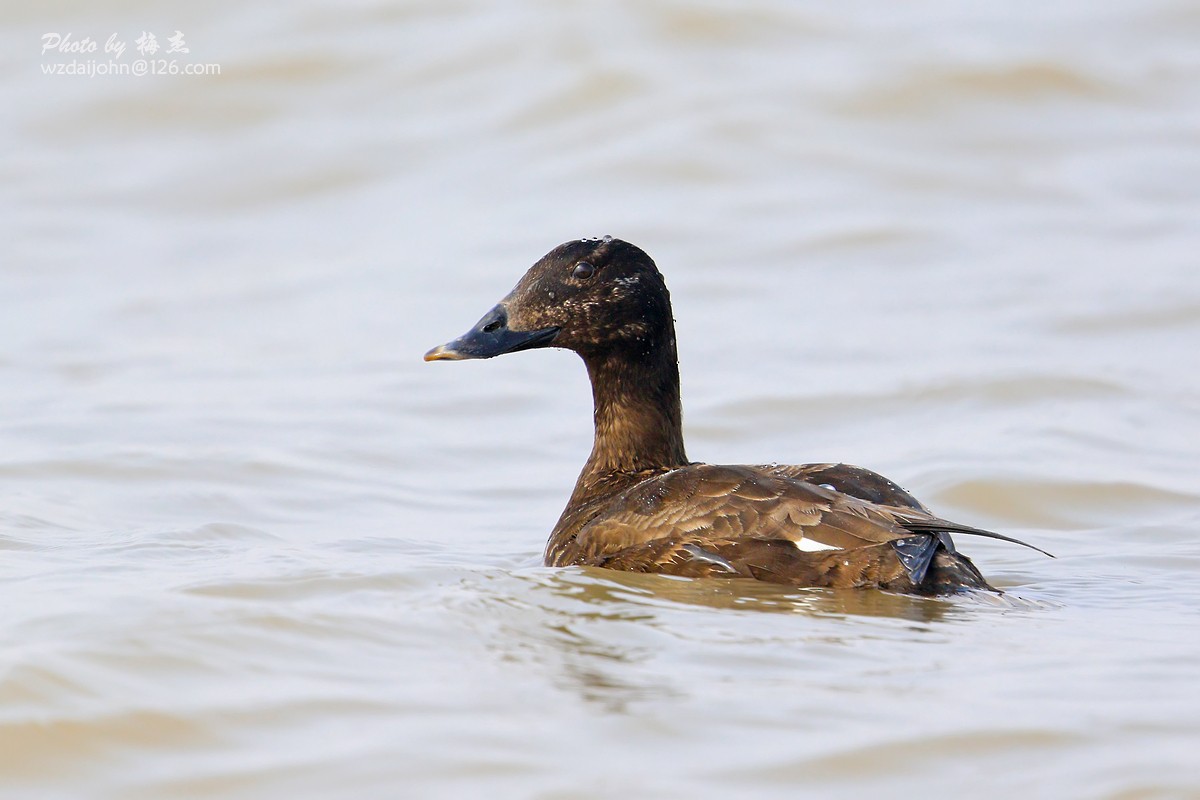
583, 270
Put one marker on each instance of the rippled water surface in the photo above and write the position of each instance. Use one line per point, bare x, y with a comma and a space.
253, 547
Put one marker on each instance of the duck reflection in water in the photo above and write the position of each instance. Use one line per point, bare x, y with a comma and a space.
619, 640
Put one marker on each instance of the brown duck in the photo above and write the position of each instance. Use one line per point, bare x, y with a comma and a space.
640, 505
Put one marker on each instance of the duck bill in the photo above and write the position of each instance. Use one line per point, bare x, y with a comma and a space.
491, 337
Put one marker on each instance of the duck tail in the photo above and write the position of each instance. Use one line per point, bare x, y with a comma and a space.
933, 566
951, 573
941, 526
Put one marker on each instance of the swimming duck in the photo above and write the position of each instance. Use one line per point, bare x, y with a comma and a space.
641, 505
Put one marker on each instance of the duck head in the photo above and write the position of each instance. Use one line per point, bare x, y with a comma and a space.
593, 296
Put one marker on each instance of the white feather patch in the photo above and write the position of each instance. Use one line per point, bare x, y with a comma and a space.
810, 546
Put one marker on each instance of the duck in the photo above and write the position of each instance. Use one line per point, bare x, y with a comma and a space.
641, 505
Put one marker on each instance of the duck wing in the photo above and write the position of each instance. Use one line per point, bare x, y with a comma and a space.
847, 479
766, 523
727, 502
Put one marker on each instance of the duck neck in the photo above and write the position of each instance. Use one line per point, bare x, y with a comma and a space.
637, 413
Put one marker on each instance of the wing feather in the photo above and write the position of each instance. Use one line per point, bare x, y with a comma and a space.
771, 523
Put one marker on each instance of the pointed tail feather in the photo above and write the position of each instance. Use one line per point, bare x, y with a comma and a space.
936, 526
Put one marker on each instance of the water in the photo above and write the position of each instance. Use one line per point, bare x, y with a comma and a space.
253, 547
